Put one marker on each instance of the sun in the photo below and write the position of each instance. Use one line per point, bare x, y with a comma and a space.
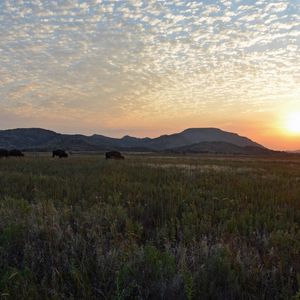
293, 122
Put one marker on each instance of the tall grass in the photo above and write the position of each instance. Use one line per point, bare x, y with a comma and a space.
86, 228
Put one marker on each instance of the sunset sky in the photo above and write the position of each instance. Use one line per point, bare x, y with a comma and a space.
147, 68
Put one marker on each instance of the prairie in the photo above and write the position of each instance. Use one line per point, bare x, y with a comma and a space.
150, 227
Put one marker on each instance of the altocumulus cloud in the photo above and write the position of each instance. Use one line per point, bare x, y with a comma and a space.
102, 60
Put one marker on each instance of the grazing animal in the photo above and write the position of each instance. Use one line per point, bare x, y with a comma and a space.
60, 153
114, 155
3, 153
15, 153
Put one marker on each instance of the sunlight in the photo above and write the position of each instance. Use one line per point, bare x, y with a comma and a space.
293, 122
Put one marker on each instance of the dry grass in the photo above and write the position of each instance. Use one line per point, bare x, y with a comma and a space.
86, 228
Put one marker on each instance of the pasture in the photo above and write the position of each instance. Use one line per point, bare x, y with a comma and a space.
149, 227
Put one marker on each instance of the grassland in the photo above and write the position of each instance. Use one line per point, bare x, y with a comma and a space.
149, 228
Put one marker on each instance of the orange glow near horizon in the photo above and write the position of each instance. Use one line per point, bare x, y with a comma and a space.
276, 129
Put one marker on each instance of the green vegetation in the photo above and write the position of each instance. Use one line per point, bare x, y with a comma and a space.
149, 228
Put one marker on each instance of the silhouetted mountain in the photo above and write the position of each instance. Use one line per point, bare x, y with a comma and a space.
198, 135
222, 148
129, 141
190, 140
26, 137
295, 151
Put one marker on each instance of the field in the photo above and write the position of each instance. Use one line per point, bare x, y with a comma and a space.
149, 227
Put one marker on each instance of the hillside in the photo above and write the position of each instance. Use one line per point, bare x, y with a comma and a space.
296, 151
222, 148
191, 140
198, 135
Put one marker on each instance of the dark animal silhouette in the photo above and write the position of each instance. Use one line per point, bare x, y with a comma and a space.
3, 153
15, 153
60, 153
114, 155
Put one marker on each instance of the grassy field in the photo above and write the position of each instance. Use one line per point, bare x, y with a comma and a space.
149, 227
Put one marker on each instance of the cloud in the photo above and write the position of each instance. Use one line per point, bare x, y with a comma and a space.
115, 59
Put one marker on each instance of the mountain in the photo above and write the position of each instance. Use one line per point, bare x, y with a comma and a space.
190, 140
295, 151
222, 148
197, 135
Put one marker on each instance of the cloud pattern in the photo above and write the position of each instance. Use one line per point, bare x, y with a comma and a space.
99, 60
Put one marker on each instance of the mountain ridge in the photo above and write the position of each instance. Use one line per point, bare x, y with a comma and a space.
46, 140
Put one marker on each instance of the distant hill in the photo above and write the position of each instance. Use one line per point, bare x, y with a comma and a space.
198, 135
212, 140
222, 148
295, 151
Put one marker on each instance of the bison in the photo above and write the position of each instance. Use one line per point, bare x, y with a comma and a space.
3, 153
114, 155
15, 153
60, 153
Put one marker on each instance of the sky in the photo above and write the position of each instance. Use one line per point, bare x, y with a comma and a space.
147, 68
